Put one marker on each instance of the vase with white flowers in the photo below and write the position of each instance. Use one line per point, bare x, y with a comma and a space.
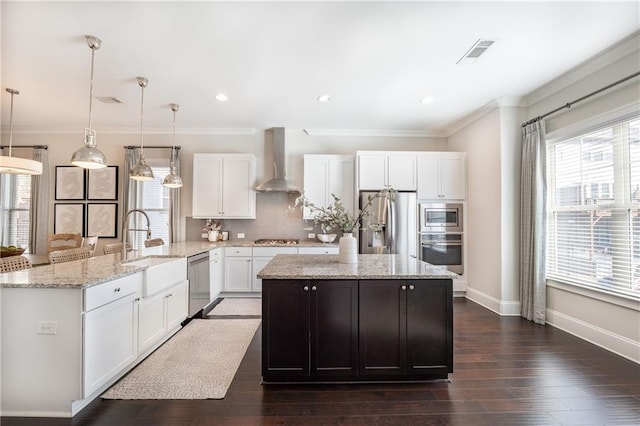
337, 216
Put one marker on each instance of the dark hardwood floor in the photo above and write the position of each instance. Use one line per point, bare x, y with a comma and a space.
508, 371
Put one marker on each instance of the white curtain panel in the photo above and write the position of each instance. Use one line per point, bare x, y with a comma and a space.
39, 209
533, 192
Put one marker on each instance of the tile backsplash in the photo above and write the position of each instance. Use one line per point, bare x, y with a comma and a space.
273, 220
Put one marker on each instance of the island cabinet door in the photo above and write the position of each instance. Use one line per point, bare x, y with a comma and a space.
334, 328
383, 327
285, 329
429, 327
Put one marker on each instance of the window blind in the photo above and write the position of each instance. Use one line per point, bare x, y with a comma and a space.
594, 201
14, 210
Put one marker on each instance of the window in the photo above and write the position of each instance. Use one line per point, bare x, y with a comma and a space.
594, 205
15, 203
153, 198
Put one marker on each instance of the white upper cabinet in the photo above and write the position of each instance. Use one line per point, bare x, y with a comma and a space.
442, 176
325, 175
381, 170
223, 186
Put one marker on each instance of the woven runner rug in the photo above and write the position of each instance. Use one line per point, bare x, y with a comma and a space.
238, 306
198, 362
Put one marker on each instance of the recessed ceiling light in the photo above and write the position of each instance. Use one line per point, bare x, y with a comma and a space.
426, 100
222, 97
324, 98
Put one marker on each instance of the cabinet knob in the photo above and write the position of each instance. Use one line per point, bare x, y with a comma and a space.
170, 294
411, 287
137, 299
314, 288
404, 287
116, 290
305, 288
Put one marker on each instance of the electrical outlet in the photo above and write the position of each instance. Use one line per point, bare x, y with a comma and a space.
311, 235
240, 235
47, 327
204, 235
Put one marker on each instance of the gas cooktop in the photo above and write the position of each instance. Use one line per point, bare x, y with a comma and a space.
276, 242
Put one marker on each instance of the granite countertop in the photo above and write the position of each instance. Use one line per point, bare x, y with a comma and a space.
369, 266
103, 268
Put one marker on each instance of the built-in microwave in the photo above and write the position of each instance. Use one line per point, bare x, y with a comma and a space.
440, 217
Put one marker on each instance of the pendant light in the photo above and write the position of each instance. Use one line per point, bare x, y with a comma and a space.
17, 165
172, 180
90, 157
141, 171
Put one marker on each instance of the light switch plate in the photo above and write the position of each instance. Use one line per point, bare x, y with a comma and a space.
240, 235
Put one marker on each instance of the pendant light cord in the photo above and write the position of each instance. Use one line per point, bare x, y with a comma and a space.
11, 122
93, 54
141, 121
173, 142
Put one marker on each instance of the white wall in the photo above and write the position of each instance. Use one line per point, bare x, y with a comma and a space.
481, 141
298, 143
609, 321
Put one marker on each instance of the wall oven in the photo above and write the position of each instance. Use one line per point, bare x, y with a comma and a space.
440, 217
443, 249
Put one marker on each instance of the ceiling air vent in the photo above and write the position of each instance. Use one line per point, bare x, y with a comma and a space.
108, 99
478, 48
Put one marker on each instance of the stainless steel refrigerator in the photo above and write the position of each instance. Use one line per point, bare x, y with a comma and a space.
391, 228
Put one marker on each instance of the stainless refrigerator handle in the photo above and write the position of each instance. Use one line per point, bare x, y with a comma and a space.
391, 225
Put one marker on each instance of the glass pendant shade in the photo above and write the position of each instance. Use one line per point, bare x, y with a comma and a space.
172, 180
17, 165
89, 156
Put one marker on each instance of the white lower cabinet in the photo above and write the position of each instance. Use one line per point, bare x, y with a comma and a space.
110, 330
160, 313
262, 256
238, 269
215, 272
318, 250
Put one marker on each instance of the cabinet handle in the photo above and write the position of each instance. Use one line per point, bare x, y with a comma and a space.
411, 287
305, 288
116, 290
314, 288
170, 294
404, 287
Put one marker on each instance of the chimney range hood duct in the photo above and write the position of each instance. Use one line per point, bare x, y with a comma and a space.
279, 183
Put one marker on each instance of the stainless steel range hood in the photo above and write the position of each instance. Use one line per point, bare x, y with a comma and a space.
279, 183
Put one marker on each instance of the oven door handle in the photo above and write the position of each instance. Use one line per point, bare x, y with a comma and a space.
440, 244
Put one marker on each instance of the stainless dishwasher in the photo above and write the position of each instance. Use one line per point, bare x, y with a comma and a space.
198, 276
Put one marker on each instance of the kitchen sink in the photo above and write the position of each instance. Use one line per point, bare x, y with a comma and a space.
160, 272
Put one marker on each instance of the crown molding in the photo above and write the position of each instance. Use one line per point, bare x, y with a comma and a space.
375, 133
132, 131
605, 58
470, 118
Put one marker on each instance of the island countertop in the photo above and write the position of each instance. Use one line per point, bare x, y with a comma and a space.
369, 266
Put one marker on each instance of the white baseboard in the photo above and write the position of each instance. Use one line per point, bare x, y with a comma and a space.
502, 308
612, 342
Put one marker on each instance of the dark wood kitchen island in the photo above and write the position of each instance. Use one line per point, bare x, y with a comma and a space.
385, 318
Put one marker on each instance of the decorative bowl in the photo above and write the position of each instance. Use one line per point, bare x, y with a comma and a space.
10, 251
326, 238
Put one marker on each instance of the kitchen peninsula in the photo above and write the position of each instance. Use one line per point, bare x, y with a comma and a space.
384, 318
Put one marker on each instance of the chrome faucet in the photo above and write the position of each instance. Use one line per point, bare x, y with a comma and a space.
125, 230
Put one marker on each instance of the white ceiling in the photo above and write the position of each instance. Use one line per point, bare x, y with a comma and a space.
377, 60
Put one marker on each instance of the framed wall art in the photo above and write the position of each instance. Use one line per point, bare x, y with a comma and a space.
68, 218
70, 183
102, 219
102, 184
